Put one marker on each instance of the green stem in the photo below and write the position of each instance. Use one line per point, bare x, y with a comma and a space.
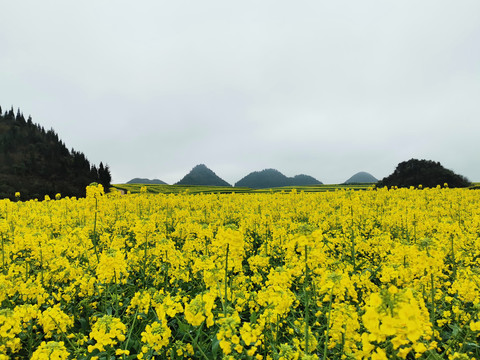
325, 345
95, 231
277, 330
63, 333
4, 268
306, 299
414, 229
353, 253
41, 266
432, 315
116, 292
145, 262
454, 265
130, 332
167, 265
30, 341
226, 281
194, 341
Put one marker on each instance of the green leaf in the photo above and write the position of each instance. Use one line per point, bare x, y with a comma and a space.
183, 327
215, 346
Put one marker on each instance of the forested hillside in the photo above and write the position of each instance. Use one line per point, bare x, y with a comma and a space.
269, 178
202, 175
35, 162
362, 177
424, 173
146, 181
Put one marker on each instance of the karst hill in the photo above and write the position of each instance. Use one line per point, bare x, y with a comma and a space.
361, 177
202, 175
146, 181
270, 178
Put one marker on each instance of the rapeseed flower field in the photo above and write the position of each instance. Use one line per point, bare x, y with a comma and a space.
377, 274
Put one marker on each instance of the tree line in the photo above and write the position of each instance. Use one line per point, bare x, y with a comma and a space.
35, 162
425, 173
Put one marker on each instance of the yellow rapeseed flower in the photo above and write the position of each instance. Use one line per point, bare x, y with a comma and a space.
51, 350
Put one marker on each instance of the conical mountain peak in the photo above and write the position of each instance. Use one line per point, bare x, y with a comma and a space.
202, 175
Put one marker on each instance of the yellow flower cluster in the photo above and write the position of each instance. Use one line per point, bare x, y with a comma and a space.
200, 309
112, 267
156, 335
51, 350
107, 332
396, 316
166, 304
227, 334
54, 320
95, 190
377, 274
10, 327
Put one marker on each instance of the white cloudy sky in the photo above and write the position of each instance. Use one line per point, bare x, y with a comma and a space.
325, 88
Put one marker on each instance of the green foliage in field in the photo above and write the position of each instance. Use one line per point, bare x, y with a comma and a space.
192, 189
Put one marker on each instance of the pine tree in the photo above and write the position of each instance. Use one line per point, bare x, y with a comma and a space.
104, 176
94, 173
36, 162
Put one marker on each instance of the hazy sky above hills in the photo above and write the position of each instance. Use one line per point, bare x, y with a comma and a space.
326, 88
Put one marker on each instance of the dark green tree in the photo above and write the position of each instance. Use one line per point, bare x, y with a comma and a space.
36, 162
104, 176
427, 173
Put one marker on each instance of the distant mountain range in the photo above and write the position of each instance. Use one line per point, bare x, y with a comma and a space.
267, 178
146, 181
361, 177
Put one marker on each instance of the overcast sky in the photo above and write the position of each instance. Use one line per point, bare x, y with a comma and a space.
324, 88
